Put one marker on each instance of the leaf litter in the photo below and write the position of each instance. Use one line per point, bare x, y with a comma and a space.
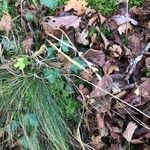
102, 58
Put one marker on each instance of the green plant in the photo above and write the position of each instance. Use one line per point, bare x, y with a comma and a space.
38, 108
148, 73
105, 31
104, 6
21, 63
136, 3
124, 39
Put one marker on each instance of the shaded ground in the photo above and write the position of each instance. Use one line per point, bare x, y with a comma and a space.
75, 66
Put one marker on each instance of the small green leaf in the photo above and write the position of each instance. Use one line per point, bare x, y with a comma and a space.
64, 47
30, 119
75, 68
21, 63
8, 45
51, 52
51, 74
52, 4
12, 127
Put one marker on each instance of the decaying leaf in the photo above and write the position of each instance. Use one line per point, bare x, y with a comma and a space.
144, 88
96, 57
135, 44
77, 5
106, 84
82, 37
84, 90
124, 28
102, 18
128, 133
6, 22
97, 142
120, 19
67, 21
87, 76
115, 50
112, 68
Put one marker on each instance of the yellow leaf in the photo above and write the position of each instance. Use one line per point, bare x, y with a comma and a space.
77, 5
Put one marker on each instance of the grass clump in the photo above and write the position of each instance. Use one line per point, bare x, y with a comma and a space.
34, 111
104, 6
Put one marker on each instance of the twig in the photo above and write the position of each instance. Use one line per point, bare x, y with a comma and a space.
132, 66
120, 100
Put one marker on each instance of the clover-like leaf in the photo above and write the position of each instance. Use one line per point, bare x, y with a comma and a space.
21, 63
51, 74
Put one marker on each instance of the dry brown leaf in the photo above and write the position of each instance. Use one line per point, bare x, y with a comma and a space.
149, 24
102, 18
77, 5
105, 84
97, 142
96, 57
135, 44
112, 68
6, 22
100, 120
82, 37
128, 133
124, 28
144, 88
92, 20
116, 50
87, 76
67, 21
84, 90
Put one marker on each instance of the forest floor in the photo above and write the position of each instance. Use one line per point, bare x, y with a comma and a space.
75, 75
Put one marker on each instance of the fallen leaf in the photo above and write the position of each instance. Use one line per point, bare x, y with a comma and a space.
149, 24
121, 19
82, 37
128, 133
100, 120
112, 68
92, 19
87, 76
124, 28
77, 5
147, 63
115, 88
97, 142
102, 18
115, 50
133, 99
105, 84
144, 88
67, 21
136, 141
96, 57
84, 90
6, 22
135, 44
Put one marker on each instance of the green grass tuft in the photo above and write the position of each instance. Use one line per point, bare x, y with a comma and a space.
38, 109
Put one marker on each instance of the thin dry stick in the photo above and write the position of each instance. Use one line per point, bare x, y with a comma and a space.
114, 97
